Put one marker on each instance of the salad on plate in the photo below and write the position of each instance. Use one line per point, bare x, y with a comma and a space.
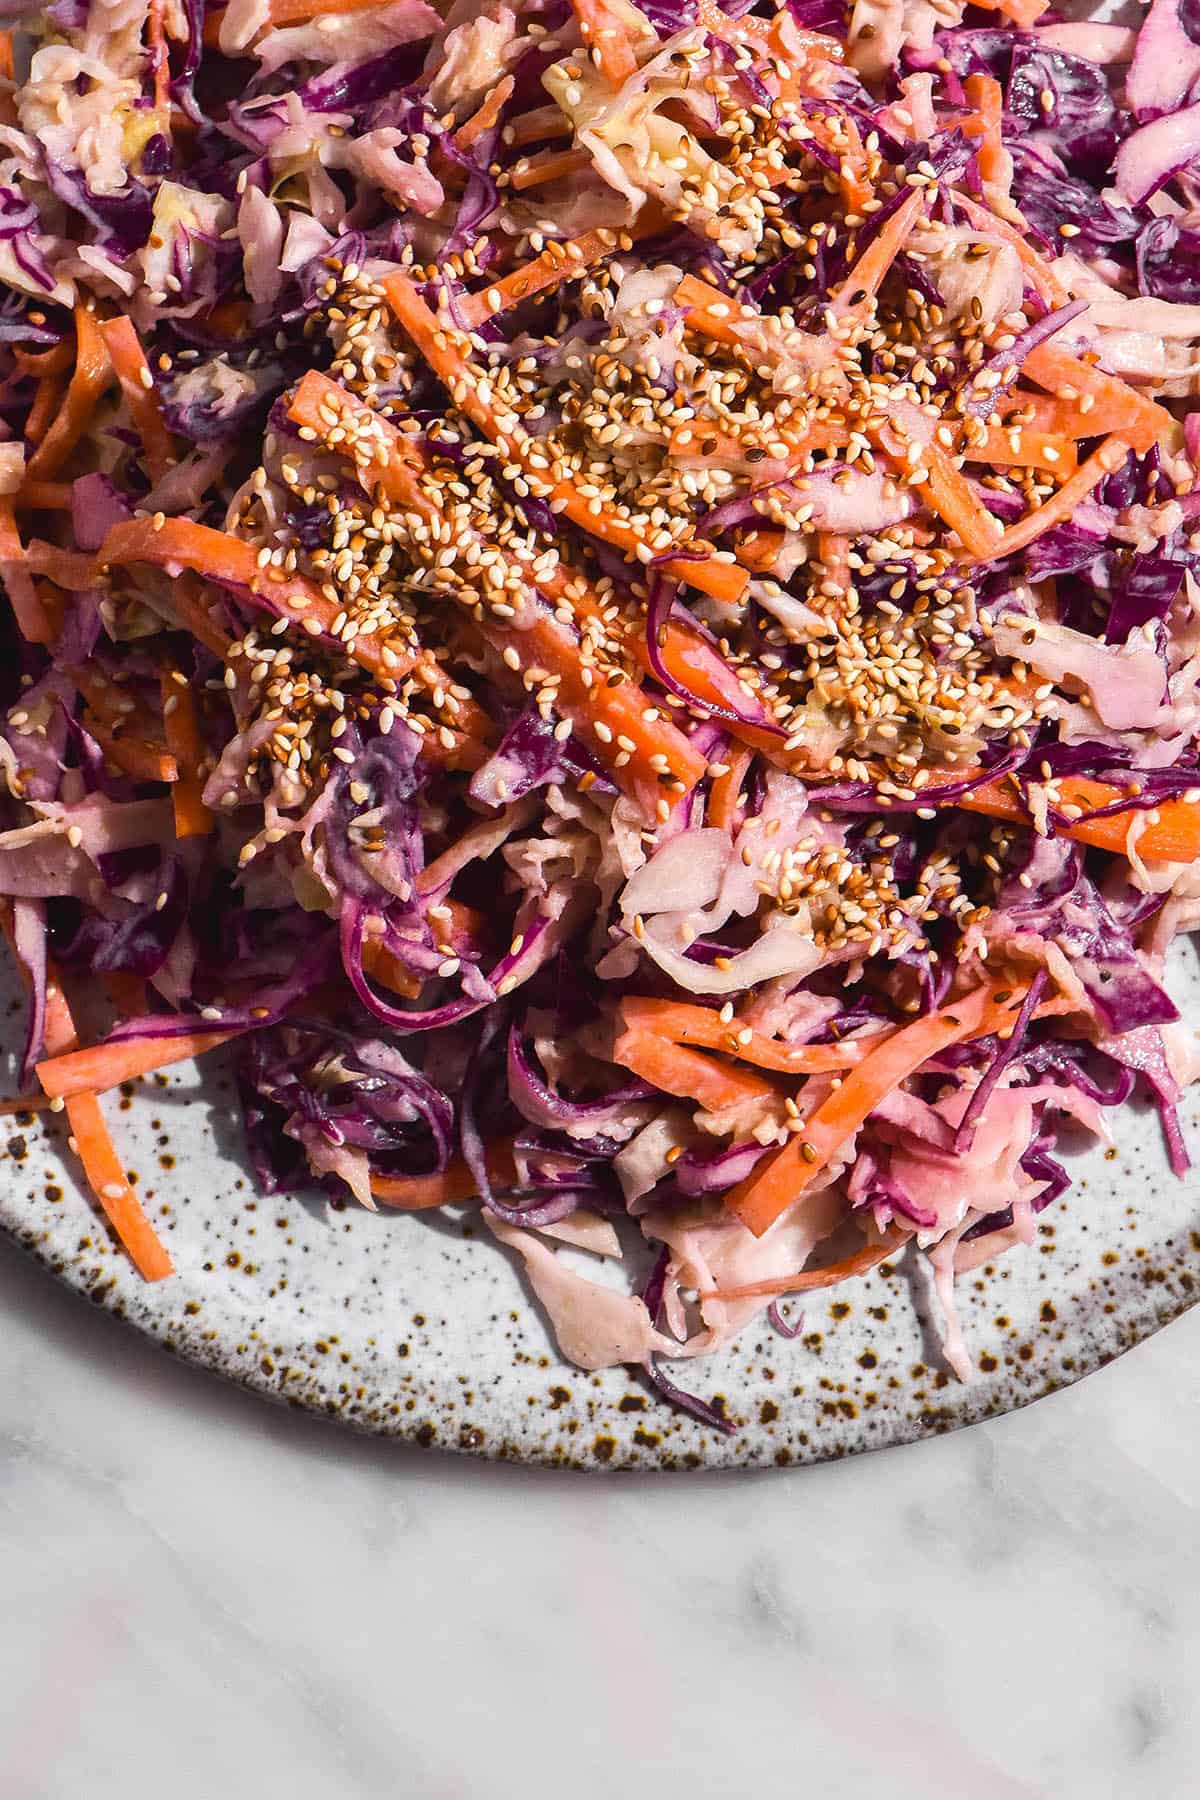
606, 600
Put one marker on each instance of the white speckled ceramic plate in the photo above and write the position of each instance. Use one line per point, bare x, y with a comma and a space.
420, 1328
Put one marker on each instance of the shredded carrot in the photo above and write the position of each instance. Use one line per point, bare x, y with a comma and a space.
93, 373
986, 95
44, 410
688, 1074
137, 385
446, 350
763, 34
486, 115
535, 126
945, 490
108, 1181
36, 363
867, 274
299, 12
556, 265
181, 724
34, 619
726, 790
680, 1022
187, 599
1059, 508
1023, 13
805, 1281
217, 555
772, 1187
105, 1066
552, 165
414, 1193
1113, 406
135, 756
714, 313
1021, 447
93, 1145
1169, 832
603, 31
6, 56
46, 496
156, 49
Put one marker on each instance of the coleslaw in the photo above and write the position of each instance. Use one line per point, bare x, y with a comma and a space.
605, 598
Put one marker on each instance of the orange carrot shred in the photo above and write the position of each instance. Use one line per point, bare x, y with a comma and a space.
604, 32
486, 115
32, 615
1059, 508
778, 1181
104, 1066
181, 543
552, 165
181, 725
137, 385
93, 373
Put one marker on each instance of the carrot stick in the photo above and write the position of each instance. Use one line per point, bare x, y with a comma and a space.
804, 1281
94, 1147
866, 275
44, 410
552, 165
1023, 13
1022, 447
714, 313
298, 12
1171, 832
412, 1193
181, 543
446, 350
557, 264
1138, 420
986, 96
108, 1181
156, 49
6, 56
679, 1022
688, 1074
137, 385
486, 115
181, 724
534, 126
603, 32
134, 756
771, 1188
1059, 508
93, 373
104, 1066
187, 599
948, 494
725, 792
32, 615
45, 496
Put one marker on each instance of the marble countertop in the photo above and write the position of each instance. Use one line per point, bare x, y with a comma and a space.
205, 1596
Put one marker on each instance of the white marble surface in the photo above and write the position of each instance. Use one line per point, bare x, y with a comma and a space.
204, 1597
